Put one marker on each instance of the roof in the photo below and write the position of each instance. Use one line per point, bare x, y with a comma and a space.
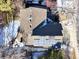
50, 29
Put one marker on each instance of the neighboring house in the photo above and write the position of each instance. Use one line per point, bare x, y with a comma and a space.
48, 29
1, 36
40, 26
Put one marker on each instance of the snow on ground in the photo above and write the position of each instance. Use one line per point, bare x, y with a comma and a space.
8, 32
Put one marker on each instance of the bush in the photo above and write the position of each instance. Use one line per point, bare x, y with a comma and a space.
54, 54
